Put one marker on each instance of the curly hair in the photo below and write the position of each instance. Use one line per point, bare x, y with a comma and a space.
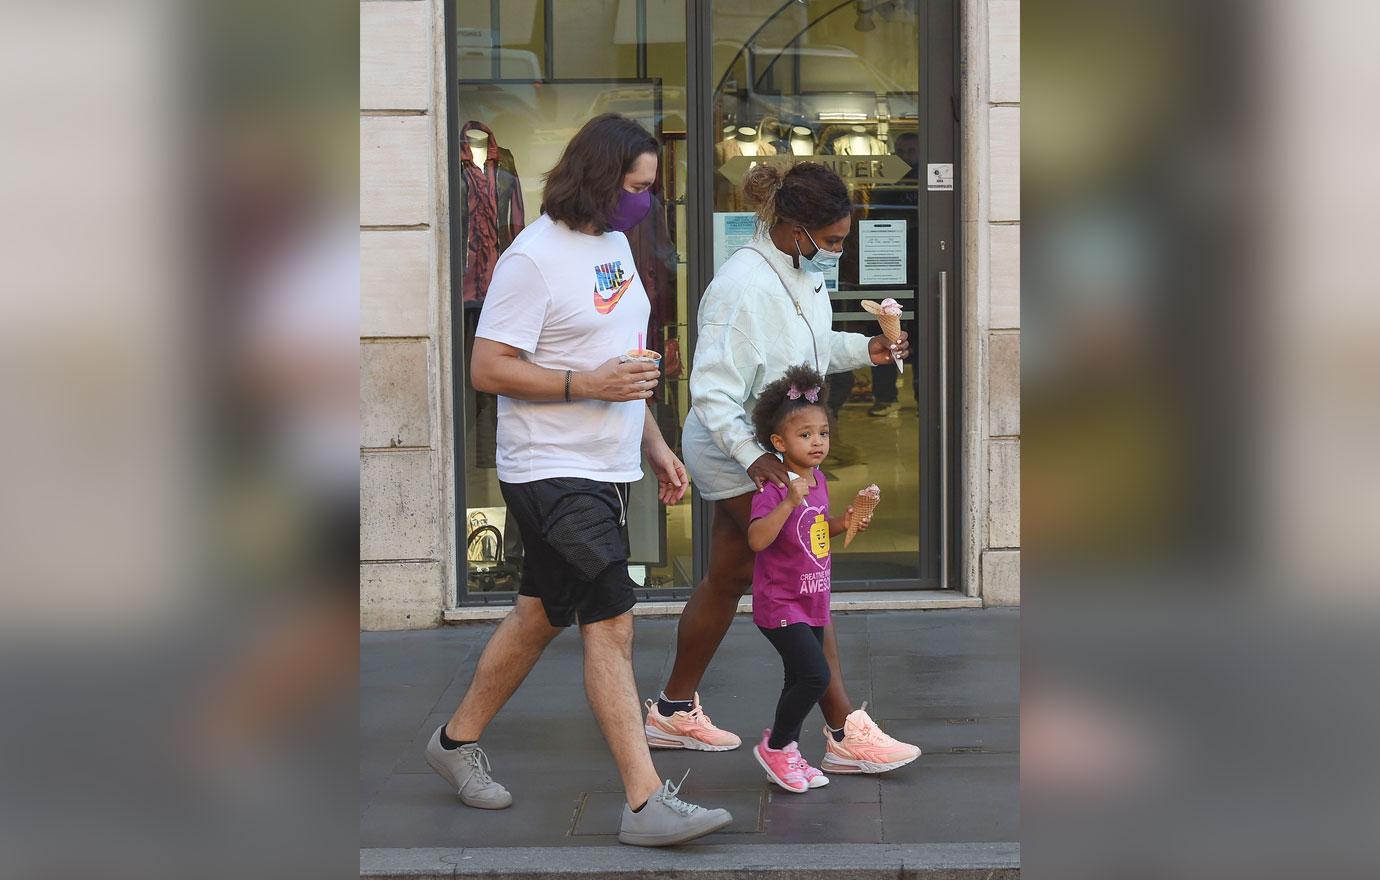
807, 193
775, 402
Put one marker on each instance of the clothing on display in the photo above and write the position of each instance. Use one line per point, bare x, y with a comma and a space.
776, 133
492, 195
745, 141
656, 261
856, 140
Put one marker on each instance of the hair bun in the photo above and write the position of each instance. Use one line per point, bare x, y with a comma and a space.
761, 183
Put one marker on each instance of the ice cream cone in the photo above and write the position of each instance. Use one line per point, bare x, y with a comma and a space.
863, 504
888, 314
891, 326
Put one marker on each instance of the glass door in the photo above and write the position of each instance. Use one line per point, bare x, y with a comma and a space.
841, 83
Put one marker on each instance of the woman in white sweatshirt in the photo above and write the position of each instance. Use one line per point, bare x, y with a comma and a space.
767, 309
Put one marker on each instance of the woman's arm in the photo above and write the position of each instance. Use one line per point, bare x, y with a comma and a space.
727, 363
849, 351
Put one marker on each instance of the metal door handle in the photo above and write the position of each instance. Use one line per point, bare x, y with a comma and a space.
944, 429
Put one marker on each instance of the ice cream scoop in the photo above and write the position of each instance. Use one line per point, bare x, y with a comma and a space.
644, 355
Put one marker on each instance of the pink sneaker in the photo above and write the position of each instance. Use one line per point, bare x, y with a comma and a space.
782, 765
814, 777
687, 730
865, 748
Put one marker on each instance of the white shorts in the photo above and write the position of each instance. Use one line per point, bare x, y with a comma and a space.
715, 475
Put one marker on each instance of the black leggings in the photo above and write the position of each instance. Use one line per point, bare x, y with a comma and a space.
801, 647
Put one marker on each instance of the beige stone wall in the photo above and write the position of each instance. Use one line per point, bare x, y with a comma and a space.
990, 418
407, 545
403, 543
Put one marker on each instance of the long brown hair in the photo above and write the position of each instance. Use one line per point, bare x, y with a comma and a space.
582, 190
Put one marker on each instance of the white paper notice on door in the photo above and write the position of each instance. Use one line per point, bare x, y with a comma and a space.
732, 230
881, 252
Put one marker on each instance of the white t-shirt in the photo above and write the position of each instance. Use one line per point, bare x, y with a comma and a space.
570, 301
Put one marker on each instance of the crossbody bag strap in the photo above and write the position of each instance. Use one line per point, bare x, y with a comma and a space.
798, 310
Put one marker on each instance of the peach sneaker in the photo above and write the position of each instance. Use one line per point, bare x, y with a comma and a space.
687, 730
865, 748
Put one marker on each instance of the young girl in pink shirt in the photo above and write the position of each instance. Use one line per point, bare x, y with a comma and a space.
790, 531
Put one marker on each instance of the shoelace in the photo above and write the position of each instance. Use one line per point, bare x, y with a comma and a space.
480, 762
796, 761
867, 731
697, 715
668, 797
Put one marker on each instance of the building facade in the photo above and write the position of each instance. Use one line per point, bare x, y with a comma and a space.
464, 104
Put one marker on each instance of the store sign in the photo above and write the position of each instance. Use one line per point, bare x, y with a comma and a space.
853, 169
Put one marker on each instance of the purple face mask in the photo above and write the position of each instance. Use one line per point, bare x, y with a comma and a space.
630, 210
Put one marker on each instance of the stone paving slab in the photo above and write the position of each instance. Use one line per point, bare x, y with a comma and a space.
947, 680
947, 861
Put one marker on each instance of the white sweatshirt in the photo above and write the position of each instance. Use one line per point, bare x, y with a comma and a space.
749, 334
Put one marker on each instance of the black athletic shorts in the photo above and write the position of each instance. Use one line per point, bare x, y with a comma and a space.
575, 547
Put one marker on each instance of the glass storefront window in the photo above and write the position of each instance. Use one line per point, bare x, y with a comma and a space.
842, 83
527, 74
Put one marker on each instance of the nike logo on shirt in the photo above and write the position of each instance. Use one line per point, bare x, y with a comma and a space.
604, 305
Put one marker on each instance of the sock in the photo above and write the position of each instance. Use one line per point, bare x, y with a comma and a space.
451, 744
639, 809
836, 734
667, 707
785, 741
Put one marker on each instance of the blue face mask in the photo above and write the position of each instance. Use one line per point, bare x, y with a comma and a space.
822, 261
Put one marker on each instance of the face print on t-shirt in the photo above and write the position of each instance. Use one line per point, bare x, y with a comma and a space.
812, 532
610, 284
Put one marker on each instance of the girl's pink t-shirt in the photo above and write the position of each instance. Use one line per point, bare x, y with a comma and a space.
790, 578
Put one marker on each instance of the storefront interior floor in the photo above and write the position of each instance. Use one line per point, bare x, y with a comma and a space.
865, 449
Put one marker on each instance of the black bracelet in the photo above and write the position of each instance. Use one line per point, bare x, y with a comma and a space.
567, 385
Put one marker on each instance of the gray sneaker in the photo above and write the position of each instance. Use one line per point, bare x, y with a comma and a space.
668, 820
467, 768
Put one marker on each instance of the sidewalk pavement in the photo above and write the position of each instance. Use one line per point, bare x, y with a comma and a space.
945, 680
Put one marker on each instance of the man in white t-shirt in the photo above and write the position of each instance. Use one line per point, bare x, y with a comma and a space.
564, 304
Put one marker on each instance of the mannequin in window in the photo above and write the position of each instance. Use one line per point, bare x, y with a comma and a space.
776, 133
802, 141
856, 141
746, 141
491, 194
492, 197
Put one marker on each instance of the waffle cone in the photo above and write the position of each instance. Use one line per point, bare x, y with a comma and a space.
863, 505
891, 326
